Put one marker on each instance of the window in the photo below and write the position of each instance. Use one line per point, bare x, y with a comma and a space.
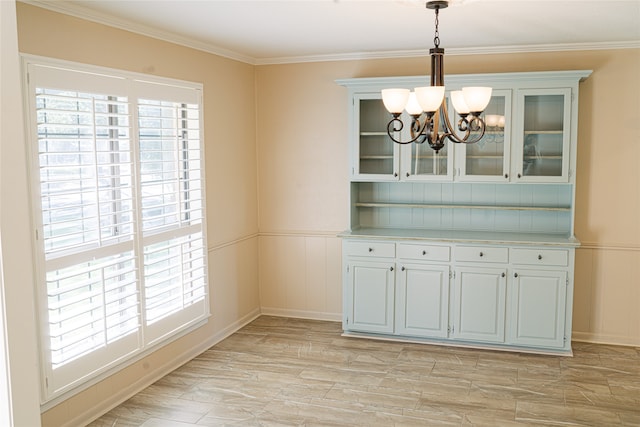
118, 201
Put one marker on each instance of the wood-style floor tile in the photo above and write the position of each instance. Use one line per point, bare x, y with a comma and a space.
293, 372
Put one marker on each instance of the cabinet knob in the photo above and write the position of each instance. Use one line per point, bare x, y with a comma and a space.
519, 176
424, 252
506, 175
515, 275
539, 256
503, 274
402, 268
370, 249
395, 174
391, 268
481, 254
408, 174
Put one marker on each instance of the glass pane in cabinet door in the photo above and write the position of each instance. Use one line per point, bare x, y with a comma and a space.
426, 162
376, 148
486, 157
543, 135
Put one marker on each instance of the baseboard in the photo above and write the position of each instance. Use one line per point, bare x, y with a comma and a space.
301, 314
144, 382
605, 339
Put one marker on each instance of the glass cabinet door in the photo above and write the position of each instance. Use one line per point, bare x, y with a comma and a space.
377, 156
488, 159
420, 162
542, 137
426, 164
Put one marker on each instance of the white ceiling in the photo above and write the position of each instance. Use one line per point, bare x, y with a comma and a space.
269, 31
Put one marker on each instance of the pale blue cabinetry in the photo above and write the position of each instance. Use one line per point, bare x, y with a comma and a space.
369, 286
371, 295
479, 304
422, 293
511, 295
422, 300
473, 245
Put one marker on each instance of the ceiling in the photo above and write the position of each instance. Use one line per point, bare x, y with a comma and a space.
269, 31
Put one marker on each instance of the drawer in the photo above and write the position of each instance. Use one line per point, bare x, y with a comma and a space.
482, 254
558, 257
424, 252
370, 249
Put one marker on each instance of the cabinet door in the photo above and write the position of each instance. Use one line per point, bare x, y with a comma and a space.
422, 300
375, 156
479, 304
370, 296
542, 135
420, 162
489, 158
538, 307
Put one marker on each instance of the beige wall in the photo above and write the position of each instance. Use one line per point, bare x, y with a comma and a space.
277, 191
302, 171
232, 221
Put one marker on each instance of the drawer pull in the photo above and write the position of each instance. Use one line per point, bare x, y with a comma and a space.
539, 256
481, 254
370, 249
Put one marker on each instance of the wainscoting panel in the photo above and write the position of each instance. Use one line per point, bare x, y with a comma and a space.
607, 295
300, 275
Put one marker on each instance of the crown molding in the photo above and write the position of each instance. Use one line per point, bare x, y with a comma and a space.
81, 12
423, 53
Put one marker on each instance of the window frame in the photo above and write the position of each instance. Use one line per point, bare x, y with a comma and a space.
137, 87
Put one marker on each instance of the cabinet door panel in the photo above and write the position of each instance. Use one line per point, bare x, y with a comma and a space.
479, 304
422, 303
371, 296
538, 307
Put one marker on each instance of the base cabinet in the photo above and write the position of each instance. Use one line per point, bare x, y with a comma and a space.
479, 304
496, 296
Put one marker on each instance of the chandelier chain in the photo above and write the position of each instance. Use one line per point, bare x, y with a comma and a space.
436, 37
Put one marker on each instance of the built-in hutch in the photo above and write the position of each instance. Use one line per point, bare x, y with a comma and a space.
473, 245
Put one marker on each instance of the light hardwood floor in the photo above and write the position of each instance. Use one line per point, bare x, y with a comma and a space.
292, 372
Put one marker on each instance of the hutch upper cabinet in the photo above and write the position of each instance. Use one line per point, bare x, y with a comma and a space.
473, 245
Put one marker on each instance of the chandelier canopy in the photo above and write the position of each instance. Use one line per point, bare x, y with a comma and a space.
429, 119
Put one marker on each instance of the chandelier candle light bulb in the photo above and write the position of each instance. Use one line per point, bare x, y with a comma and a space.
469, 103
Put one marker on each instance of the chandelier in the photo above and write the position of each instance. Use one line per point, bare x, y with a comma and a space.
429, 119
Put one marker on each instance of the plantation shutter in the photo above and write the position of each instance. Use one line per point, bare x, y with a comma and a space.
119, 213
171, 202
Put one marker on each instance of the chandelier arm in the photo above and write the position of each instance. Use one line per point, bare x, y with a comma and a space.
417, 129
476, 123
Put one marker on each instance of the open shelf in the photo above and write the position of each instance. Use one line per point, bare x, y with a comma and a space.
455, 206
